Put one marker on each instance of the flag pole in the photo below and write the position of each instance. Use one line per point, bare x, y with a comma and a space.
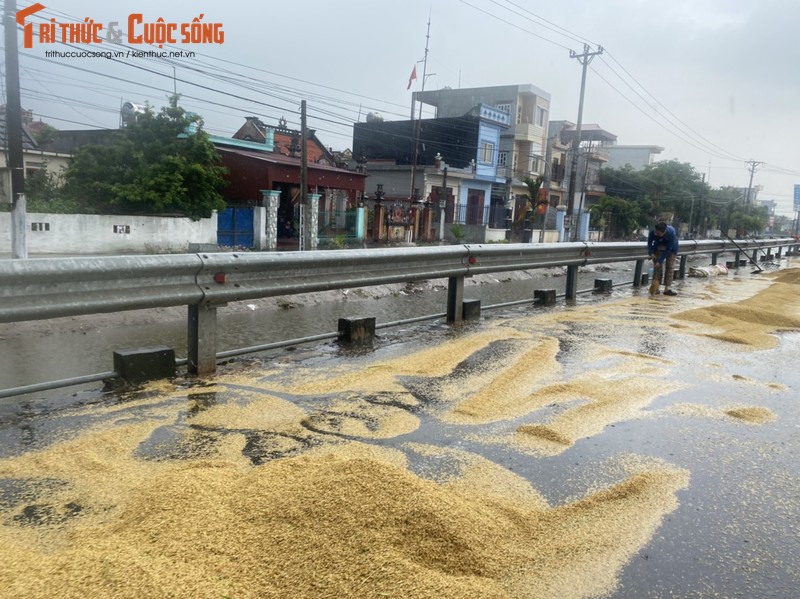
419, 118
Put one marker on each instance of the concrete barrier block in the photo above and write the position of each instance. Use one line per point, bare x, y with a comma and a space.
544, 297
357, 331
472, 309
135, 366
603, 286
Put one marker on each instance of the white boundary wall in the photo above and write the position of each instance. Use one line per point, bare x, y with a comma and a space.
103, 234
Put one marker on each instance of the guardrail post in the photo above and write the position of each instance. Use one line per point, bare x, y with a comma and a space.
682, 267
471, 309
737, 258
714, 258
202, 339
637, 273
357, 331
572, 282
603, 286
136, 366
544, 297
455, 299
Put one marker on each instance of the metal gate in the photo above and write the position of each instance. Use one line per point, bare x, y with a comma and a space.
235, 227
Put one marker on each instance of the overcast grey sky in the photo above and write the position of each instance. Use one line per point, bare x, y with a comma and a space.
714, 82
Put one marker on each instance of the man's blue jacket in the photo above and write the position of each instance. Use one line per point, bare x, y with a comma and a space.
669, 241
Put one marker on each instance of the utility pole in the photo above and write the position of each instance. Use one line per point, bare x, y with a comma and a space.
19, 247
748, 200
304, 216
571, 225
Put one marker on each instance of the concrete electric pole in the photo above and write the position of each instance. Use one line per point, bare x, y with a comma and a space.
571, 223
19, 246
748, 201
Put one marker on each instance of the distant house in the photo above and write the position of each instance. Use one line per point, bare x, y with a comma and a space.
464, 150
34, 157
523, 143
262, 158
285, 141
637, 157
592, 155
252, 168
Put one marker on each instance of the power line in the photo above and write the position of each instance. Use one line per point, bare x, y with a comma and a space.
688, 128
542, 22
515, 26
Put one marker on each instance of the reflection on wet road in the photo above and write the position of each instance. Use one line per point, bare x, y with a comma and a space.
630, 446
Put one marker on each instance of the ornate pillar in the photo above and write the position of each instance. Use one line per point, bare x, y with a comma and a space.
271, 200
312, 221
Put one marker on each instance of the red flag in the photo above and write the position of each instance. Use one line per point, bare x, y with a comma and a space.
412, 78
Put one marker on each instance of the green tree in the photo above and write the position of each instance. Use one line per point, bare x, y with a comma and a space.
163, 163
533, 185
44, 193
45, 134
617, 217
666, 187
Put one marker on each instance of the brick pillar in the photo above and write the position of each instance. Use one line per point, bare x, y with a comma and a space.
271, 200
379, 223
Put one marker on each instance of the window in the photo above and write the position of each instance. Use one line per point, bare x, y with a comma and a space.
487, 153
519, 113
541, 116
40, 226
122, 229
504, 108
502, 159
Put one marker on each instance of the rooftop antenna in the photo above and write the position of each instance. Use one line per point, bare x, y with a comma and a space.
419, 118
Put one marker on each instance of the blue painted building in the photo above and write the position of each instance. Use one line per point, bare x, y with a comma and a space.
467, 148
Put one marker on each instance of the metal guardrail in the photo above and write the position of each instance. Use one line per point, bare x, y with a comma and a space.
42, 288
54, 287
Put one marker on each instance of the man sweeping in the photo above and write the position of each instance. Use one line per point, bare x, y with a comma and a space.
662, 246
